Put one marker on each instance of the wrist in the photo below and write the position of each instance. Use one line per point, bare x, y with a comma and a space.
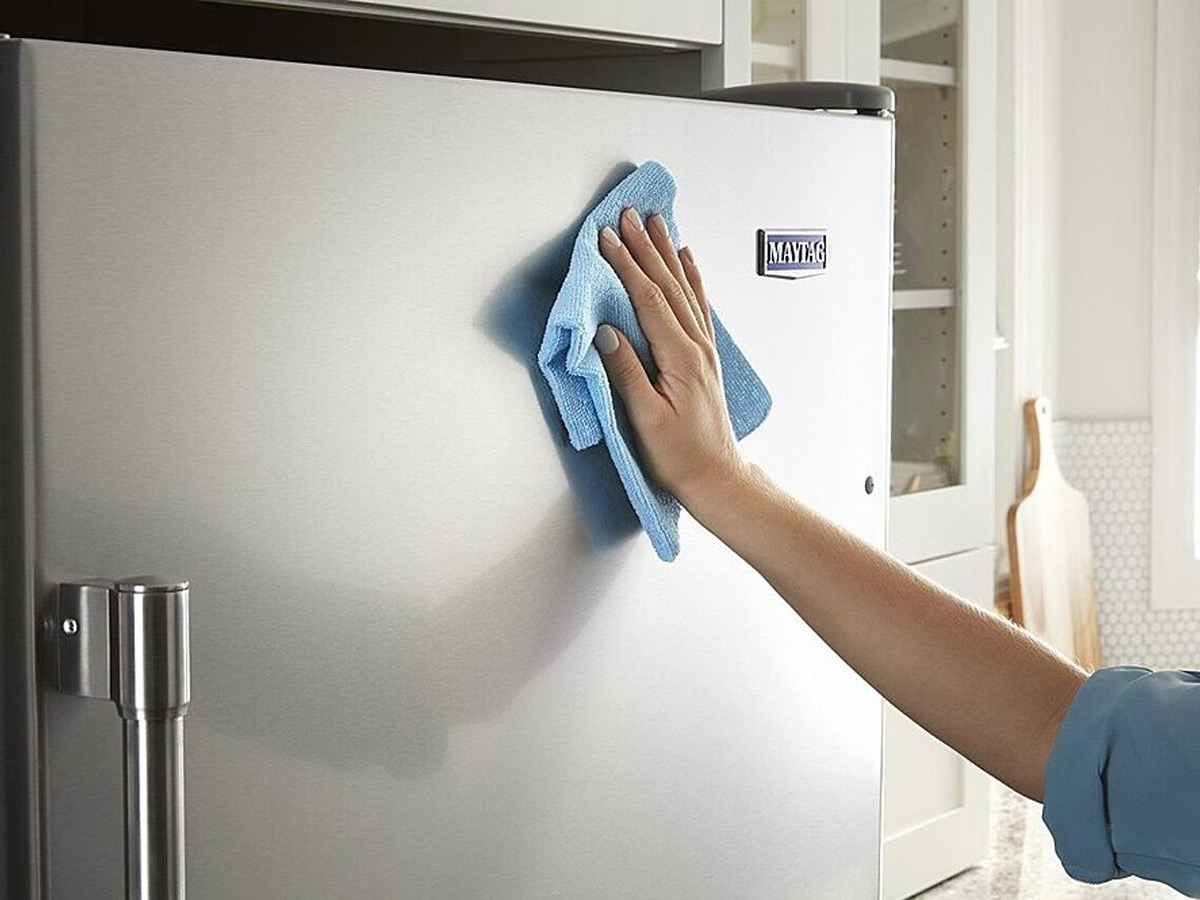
719, 487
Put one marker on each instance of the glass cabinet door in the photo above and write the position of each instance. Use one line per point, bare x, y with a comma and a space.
938, 59
939, 56
778, 33
920, 63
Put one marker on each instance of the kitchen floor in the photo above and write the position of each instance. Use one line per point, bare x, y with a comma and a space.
1021, 864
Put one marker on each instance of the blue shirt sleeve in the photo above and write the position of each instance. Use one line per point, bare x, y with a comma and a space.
1122, 793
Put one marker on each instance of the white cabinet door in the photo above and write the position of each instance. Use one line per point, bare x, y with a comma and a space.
935, 803
813, 40
943, 381
681, 21
940, 58
842, 40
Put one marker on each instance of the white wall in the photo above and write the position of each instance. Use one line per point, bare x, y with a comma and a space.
1027, 253
1105, 67
1075, 167
1076, 151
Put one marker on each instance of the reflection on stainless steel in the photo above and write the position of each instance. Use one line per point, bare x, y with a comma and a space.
435, 658
152, 689
154, 835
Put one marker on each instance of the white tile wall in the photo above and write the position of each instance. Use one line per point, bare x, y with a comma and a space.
1110, 463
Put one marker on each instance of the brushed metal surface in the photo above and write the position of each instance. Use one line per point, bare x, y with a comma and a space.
152, 654
432, 655
128, 642
21, 873
77, 637
152, 689
155, 836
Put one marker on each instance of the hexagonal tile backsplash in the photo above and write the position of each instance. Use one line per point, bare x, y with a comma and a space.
1110, 463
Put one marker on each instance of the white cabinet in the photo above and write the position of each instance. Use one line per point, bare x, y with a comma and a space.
681, 21
935, 803
940, 58
815, 40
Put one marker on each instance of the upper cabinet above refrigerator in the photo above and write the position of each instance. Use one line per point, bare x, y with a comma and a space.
686, 21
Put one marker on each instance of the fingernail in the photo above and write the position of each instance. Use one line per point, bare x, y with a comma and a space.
606, 339
659, 224
685, 253
610, 237
634, 219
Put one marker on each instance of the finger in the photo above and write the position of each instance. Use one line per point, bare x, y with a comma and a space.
626, 371
660, 236
692, 272
633, 233
650, 305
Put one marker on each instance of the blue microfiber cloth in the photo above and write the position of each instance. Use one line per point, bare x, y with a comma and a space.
592, 295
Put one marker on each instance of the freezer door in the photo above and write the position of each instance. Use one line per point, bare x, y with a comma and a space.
285, 326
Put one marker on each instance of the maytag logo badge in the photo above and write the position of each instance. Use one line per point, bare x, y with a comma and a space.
791, 254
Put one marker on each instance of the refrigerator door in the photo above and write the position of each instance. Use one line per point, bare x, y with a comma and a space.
285, 322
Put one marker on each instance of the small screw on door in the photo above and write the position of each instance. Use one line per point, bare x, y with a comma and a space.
869, 485
70, 626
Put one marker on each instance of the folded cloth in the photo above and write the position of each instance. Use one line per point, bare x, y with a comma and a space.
592, 295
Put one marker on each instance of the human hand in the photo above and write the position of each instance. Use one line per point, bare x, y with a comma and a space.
682, 425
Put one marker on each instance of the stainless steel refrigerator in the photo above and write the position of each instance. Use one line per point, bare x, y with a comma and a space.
272, 328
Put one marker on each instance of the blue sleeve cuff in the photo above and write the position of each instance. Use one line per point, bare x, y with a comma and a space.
1075, 803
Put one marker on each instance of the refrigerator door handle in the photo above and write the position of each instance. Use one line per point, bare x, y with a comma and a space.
128, 641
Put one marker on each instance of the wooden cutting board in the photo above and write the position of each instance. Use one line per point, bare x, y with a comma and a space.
1050, 551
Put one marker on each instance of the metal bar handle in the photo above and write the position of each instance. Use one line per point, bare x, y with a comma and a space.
152, 690
128, 641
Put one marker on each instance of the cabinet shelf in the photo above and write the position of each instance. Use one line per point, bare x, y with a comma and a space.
906, 19
917, 72
925, 299
776, 56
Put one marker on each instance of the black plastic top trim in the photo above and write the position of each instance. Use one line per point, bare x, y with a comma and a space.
866, 99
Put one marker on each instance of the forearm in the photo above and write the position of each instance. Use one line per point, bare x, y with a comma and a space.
983, 686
